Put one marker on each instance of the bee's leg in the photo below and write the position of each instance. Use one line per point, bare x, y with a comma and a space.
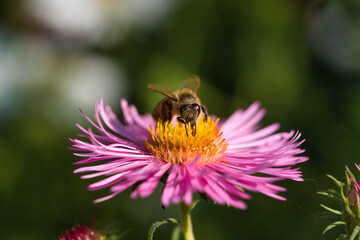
182, 120
204, 110
186, 129
193, 127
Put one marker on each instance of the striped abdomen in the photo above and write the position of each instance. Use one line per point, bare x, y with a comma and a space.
163, 110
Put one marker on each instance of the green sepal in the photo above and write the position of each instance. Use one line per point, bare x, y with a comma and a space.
332, 225
337, 182
331, 210
354, 233
330, 193
349, 178
348, 209
334, 192
342, 194
342, 237
358, 204
348, 182
324, 193
157, 224
350, 173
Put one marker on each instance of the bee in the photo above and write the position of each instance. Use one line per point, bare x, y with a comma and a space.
183, 103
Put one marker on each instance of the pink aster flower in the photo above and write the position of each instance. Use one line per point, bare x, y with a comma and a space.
224, 160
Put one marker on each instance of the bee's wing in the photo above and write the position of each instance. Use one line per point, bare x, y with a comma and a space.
191, 83
163, 90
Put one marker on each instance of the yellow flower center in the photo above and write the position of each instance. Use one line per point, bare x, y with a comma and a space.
172, 144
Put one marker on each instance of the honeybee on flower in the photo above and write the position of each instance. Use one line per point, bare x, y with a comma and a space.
183, 103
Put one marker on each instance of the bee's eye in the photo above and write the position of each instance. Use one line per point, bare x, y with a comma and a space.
195, 106
183, 108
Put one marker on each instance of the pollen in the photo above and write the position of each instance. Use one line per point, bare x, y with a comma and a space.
172, 144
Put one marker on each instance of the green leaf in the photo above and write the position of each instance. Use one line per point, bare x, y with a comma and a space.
354, 233
331, 210
155, 225
334, 224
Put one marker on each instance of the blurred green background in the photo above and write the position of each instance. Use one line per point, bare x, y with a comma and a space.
301, 59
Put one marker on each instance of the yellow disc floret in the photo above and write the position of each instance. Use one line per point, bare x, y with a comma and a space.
173, 144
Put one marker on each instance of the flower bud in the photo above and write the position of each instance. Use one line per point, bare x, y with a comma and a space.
82, 232
354, 194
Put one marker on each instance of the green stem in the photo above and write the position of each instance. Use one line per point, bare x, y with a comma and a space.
186, 221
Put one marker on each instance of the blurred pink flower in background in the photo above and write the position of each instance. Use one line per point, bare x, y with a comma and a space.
95, 21
82, 232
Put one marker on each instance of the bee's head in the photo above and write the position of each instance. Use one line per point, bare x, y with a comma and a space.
190, 112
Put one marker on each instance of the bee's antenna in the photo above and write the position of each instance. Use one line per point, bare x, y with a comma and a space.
186, 129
